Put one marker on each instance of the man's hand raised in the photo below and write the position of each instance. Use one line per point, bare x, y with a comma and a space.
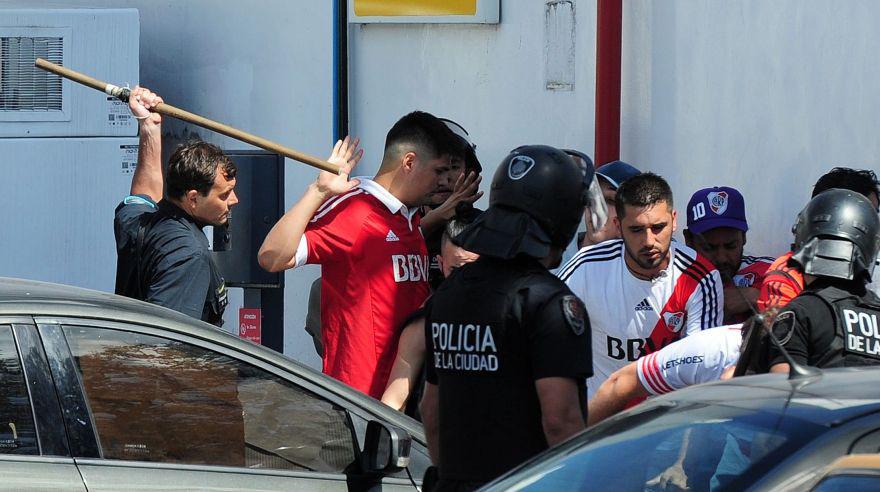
346, 155
140, 102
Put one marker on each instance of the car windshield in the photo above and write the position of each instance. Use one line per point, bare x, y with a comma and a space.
670, 446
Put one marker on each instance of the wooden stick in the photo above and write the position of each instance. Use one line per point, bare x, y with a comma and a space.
169, 110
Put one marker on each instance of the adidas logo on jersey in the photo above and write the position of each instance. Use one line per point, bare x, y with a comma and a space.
644, 306
391, 236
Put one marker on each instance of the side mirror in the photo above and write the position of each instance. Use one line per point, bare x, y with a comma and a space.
386, 448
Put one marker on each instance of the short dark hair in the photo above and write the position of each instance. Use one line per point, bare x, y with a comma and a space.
859, 180
193, 166
642, 190
425, 132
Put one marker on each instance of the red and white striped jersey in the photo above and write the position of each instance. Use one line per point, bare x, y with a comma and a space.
699, 358
630, 317
751, 271
374, 274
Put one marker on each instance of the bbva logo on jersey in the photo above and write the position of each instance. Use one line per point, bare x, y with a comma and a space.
409, 268
674, 321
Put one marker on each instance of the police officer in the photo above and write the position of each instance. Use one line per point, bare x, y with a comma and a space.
835, 321
508, 344
162, 253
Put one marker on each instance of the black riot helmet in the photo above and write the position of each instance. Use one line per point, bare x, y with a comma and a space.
536, 203
837, 235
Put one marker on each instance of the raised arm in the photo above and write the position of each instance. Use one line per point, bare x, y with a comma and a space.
278, 251
147, 179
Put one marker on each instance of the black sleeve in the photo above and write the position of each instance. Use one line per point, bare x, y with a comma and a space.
126, 219
181, 282
430, 372
793, 328
559, 335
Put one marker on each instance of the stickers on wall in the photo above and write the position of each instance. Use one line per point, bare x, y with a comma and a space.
118, 114
129, 157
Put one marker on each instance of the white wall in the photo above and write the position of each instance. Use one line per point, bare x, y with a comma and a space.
762, 96
489, 78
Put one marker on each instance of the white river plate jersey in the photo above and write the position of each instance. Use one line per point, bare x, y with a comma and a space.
630, 317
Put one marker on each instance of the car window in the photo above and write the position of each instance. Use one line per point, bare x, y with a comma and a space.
692, 446
17, 430
156, 399
849, 483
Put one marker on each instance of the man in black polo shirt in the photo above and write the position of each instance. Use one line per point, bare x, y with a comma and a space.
162, 253
508, 344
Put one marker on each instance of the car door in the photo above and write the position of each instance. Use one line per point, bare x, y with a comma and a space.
164, 411
33, 448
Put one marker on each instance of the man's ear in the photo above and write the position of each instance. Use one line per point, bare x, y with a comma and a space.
674, 221
744, 238
408, 161
190, 198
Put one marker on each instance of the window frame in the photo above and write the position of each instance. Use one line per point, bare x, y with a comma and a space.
42, 398
77, 408
51, 436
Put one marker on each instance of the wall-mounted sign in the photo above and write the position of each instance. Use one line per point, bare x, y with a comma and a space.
250, 324
425, 11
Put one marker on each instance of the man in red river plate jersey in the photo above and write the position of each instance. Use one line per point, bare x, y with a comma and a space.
716, 229
365, 235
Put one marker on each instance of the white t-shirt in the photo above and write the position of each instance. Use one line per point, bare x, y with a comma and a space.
699, 358
630, 317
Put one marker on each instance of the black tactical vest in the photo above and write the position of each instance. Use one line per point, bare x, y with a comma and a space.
856, 328
479, 352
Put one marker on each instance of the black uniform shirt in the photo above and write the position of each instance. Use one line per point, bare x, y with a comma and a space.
811, 330
493, 329
176, 268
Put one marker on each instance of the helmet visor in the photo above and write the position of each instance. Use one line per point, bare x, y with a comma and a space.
596, 211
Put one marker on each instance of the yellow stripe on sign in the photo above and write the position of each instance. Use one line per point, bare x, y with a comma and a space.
367, 8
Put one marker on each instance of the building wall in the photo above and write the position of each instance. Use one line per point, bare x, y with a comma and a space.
762, 96
492, 79
264, 67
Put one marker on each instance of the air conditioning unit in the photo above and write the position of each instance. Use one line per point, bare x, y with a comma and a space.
102, 43
67, 152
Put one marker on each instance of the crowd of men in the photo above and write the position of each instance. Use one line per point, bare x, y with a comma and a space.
503, 348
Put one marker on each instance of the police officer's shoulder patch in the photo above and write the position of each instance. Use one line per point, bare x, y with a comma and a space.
783, 326
575, 313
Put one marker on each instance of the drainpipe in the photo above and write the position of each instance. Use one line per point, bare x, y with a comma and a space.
609, 29
340, 69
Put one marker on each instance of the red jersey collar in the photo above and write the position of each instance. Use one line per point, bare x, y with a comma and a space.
394, 205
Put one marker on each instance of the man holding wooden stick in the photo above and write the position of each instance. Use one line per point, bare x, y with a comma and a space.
162, 252
365, 235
